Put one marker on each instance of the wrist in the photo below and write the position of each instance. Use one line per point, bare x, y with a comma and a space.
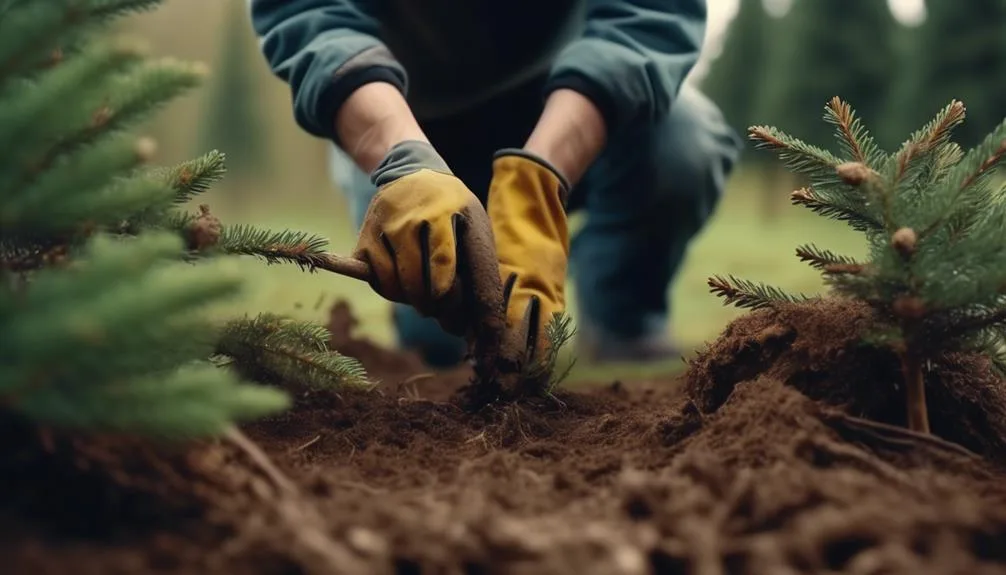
569, 135
373, 120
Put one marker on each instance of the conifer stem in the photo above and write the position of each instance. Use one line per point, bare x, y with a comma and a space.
915, 392
346, 266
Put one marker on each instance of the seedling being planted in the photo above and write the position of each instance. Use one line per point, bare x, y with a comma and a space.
934, 219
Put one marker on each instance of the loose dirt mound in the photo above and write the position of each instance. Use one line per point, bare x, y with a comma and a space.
817, 348
752, 469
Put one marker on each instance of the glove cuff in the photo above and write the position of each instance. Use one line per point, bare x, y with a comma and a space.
564, 186
405, 158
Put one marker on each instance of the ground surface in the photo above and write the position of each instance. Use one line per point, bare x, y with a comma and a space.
765, 457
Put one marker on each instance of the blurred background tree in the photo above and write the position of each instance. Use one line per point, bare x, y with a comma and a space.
958, 52
233, 116
827, 48
737, 72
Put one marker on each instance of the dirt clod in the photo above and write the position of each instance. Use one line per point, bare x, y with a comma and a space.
782, 450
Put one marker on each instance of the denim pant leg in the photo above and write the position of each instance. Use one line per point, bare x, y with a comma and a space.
646, 198
437, 347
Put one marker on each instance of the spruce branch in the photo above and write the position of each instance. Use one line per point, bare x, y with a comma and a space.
967, 184
935, 134
853, 135
102, 195
129, 333
837, 206
303, 249
26, 104
821, 259
45, 27
746, 294
798, 155
194, 177
272, 347
195, 401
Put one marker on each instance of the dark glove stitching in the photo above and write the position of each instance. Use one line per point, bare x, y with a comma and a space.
532, 329
511, 280
424, 254
394, 261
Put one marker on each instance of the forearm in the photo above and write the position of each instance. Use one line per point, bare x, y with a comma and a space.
325, 50
372, 120
569, 135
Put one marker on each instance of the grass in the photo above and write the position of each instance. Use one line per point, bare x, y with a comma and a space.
739, 240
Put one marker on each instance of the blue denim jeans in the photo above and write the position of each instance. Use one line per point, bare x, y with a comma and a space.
646, 197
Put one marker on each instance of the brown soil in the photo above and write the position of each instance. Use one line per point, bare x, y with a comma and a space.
780, 451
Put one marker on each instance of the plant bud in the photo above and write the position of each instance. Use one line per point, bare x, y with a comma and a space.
853, 173
904, 241
204, 231
802, 195
145, 149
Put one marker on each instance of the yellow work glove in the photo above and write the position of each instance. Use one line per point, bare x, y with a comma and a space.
419, 222
526, 206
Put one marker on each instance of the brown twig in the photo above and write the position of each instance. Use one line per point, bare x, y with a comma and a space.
315, 550
897, 436
342, 265
915, 391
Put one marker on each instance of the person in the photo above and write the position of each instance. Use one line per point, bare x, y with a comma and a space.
534, 109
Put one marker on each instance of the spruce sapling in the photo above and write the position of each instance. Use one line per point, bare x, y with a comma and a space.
104, 279
934, 218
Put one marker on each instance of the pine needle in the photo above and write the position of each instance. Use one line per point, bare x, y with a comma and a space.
855, 138
838, 206
746, 294
194, 177
276, 348
559, 331
821, 259
798, 155
305, 250
934, 134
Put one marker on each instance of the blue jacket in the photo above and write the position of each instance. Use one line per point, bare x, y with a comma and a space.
627, 56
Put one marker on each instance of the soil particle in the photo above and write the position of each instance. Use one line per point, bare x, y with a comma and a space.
779, 452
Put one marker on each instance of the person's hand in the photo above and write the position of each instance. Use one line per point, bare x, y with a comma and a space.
526, 206
422, 223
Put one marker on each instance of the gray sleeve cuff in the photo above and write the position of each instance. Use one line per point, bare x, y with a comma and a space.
405, 158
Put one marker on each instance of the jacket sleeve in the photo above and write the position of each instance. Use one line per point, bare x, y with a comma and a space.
324, 49
632, 56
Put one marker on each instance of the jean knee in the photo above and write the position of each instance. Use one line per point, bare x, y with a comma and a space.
424, 335
353, 182
695, 151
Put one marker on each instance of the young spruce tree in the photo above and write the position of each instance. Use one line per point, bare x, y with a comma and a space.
934, 217
104, 280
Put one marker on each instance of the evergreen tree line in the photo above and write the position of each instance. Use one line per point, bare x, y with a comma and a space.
782, 70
